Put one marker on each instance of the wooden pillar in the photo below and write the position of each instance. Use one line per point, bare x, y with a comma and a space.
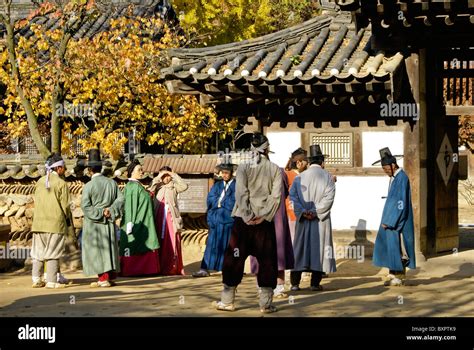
442, 179
414, 162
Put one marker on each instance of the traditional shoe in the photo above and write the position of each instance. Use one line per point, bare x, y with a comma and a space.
55, 285
38, 284
280, 295
102, 284
394, 282
223, 307
317, 288
279, 292
389, 277
62, 280
268, 310
295, 288
201, 273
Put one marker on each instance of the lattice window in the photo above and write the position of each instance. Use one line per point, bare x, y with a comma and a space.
76, 147
458, 82
27, 145
337, 145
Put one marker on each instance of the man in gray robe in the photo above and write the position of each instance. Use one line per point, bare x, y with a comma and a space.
312, 194
102, 203
257, 198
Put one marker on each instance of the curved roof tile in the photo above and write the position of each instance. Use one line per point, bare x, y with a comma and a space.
325, 50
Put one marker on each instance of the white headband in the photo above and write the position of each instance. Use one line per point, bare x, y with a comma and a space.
261, 148
49, 169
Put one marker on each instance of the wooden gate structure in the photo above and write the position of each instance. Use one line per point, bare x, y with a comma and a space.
342, 68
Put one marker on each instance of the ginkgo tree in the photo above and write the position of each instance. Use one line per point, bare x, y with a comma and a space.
118, 72
214, 22
112, 79
23, 63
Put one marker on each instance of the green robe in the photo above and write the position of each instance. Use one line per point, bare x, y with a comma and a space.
99, 242
139, 217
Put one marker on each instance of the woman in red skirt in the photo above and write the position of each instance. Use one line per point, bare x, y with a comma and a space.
166, 187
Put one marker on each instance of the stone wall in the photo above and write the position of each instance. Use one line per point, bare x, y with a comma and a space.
17, 206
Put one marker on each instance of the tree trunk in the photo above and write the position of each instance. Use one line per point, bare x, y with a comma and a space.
57, 97
25, 102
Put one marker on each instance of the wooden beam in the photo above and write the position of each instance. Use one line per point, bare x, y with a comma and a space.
214, 88
236, 89
459, 110
180, 88
254, 90
253, 100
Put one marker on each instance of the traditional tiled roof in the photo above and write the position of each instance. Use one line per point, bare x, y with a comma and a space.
413, 12
181, 164
31, 167
445, 25
322, 59
101, 22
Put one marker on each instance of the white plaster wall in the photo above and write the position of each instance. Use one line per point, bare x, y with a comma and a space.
359, 198
373, 141
283, 144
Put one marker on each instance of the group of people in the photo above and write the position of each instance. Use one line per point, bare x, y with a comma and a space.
281, 218
298, 235
279, 234
147, 243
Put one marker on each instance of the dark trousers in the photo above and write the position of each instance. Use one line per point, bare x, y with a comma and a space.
398, 274
256, 240
316, 277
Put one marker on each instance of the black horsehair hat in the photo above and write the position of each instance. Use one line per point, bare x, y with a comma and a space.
386, 157
315, 153
226, 163
93, 160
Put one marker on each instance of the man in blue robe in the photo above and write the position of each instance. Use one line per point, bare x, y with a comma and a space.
395, 242
220, 203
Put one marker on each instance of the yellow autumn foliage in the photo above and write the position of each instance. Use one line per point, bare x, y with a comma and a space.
111, 85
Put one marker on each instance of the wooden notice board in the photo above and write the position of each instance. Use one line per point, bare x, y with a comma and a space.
193, 200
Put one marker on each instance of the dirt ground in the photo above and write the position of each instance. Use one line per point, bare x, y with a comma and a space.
441, 286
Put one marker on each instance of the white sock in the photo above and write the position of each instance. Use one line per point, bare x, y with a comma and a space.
280, 288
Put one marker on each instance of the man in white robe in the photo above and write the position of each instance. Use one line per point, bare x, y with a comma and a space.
312, 194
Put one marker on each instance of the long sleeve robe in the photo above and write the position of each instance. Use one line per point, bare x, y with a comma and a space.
220, 223
398, 216
313, 190
138, 239
285, 256
139, 219
260, 197
99, 241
